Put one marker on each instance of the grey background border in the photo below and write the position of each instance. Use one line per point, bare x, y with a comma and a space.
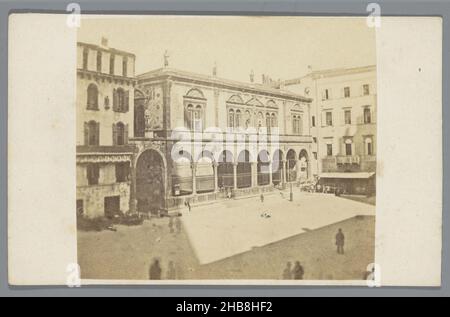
241, 7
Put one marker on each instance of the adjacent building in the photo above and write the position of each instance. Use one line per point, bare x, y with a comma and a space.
344, 124
105, 117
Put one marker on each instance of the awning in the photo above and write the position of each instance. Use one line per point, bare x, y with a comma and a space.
362, 175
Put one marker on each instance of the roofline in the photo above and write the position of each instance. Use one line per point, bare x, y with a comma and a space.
110, 49
333, 72
175, 74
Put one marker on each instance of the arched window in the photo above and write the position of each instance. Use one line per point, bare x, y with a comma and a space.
194, 117
120, 134
260, 120
92, 97
91, 133
238, 119
121, 100
297, 125
198, 118
248, 119
274, 120
99, 61
231, 118
268, 123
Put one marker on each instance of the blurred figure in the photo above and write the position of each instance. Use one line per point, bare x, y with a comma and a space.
171, 225
298, 271
155, 270
340, 242
171, 271
287, 273
178, 224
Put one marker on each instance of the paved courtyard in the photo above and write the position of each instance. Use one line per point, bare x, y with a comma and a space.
222, 230
230, 240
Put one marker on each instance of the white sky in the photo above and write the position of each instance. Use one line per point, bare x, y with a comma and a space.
281, 47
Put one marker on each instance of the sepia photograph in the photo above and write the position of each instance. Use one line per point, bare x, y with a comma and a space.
226, 148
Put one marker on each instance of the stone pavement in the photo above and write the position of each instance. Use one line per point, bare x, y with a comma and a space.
232, 227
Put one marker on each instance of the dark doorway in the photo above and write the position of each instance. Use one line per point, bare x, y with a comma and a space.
112, 206
150, 193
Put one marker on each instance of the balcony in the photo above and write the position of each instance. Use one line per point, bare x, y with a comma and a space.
348, 159
353, 163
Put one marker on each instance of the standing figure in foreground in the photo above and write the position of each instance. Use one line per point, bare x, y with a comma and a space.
340, 242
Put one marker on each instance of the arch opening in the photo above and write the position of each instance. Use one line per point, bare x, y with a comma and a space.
263, 168
291, 159
150, 188
244, 170
225, 170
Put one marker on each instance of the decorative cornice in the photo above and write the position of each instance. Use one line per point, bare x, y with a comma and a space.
197, 79
103, 158
97, 76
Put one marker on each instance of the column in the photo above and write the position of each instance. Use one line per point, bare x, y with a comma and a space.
299, 170
235, 175
216, 177
133, 200
285, 171
254, 174
194, 179
270, 174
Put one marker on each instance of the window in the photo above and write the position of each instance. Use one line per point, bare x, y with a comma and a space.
326, 94
366, 90
248, 119
329, 118
367, 116
85, 58
80, 207
274, 120
329, 149
121, 100
125, 67
369, 146
260, 120
347, 92
198, 119
122, 172
231, 118
112, 61
92, 97
348, 117
238, 119
268, 123
348, 147
120, 134
313, 121
91, 133
93, 174
99, 61
194, 117
314, 139
297, 125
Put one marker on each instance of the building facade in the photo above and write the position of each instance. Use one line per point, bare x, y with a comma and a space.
344, 123
205, 138
105, 108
